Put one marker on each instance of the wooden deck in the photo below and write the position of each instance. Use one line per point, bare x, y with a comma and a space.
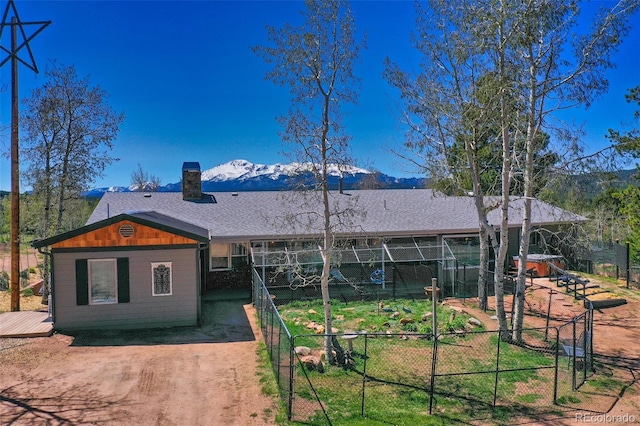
25, 324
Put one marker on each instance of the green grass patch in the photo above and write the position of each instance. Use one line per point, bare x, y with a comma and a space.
569, 399
373, 317
392, 366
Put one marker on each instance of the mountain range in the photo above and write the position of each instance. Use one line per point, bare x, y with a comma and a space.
242, 175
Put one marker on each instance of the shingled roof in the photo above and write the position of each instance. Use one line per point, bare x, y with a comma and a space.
243, 216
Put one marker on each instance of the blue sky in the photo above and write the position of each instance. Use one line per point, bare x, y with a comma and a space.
191, 89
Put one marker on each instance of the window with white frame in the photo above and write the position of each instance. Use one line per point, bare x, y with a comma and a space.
103, 281
226, 256
219, 254
161, 278
239, 254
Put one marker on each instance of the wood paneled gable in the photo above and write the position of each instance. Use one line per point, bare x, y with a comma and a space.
111, 236
141, 229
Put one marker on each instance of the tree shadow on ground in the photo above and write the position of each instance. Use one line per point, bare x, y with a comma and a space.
42, 402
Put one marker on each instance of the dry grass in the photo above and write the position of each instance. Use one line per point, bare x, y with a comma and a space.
27, 303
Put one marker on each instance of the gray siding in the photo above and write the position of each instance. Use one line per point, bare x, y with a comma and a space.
144, 310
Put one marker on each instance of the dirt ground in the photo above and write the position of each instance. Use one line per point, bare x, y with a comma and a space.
204, 376
209, 375
616, 341
28, 257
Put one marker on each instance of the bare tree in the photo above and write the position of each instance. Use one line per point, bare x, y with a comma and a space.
68, 132
315, 61
142, 181
495, 73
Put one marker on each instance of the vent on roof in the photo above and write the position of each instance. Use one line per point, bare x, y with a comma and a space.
126, 230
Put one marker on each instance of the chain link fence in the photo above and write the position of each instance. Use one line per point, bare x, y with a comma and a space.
609, 260
276, 338
461, 375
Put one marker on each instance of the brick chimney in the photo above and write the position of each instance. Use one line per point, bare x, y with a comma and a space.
191, 181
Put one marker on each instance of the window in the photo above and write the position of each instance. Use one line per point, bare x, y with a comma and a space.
239, 254
226, 256
161, 278
219, 256
103, 283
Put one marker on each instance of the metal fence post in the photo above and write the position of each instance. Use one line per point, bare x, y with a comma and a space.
555, 381
546, 330
434, 355
495, 387
434, 358
364, 373
573, 356
291, 361
628, 266
279, 354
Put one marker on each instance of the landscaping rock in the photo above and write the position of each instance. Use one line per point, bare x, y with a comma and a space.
312, 311
302, 350
312, 325
427, 316
475, 322
312, 363
404, 321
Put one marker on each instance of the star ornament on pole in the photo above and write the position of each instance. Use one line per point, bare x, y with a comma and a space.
16, 25
14, 21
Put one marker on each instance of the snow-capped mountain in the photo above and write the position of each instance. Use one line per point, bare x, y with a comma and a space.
243, 170
242, 175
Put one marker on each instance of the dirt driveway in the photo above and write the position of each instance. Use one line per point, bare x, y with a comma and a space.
204, 376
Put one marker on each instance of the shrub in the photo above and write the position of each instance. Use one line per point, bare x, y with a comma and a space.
411, 327
4, 280
425, 329
27, 292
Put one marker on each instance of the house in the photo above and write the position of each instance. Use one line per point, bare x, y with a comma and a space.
144, 259
132, 270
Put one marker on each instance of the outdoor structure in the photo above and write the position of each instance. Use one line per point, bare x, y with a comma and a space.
137, 270
397, 238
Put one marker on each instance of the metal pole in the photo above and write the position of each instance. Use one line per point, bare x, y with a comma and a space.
573, 357
364, 373
628, 265
291, 361
495, 385
555, 381
15, 176
546, 330
434, 357
434, 305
